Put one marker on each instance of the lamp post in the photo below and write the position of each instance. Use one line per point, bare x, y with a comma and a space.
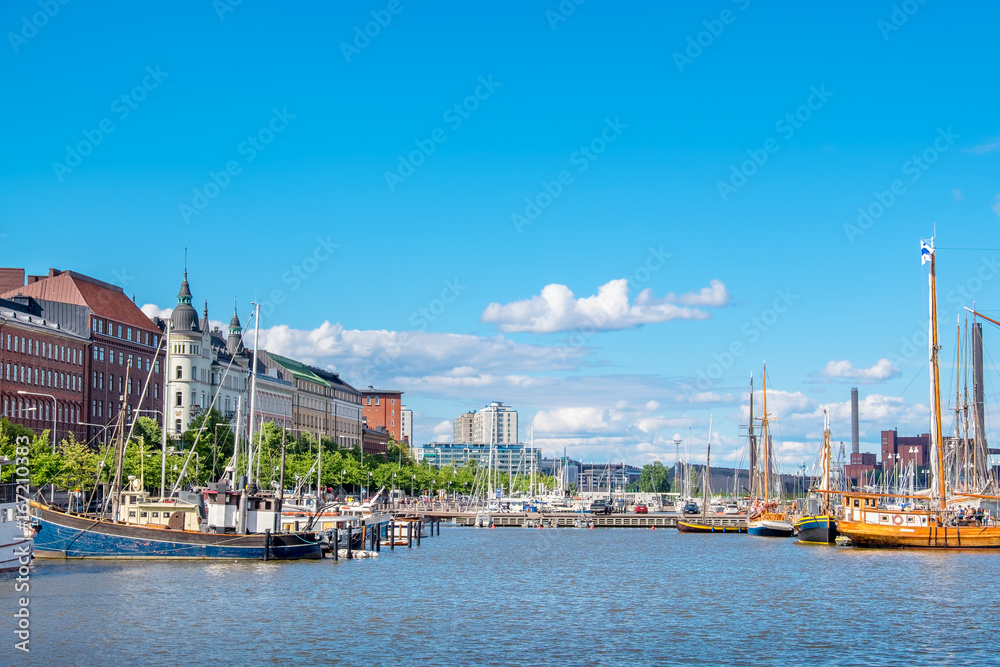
52, 489
394, 489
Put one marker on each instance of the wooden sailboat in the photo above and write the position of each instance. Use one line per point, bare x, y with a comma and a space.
821, 528
765, 518
868, 522
704, 526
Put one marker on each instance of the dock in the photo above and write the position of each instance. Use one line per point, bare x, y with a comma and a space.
571, 519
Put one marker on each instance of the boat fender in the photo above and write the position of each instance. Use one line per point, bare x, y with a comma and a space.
898, 520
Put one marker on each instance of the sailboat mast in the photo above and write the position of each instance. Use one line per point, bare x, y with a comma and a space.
253, 386
708, 473
936, 382
753, 449
958, 390
766, 434
826, 460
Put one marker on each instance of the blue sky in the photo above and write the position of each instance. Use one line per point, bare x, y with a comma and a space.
711, 159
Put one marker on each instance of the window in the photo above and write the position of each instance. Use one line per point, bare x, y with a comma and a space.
376, 400
156, 390
369, 400
100, 380
178, 399
157, 366
119, 331
130, 361
177, 426
102, 354
180, 373
129, 333
121, 357
93, 408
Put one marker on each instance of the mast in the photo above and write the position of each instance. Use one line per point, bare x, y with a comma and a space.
927, 252
753, 450
766, 435
253, 386
958, 396
706, 492
826, 460
166, 401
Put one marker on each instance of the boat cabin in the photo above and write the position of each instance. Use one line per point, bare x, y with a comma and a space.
223, 504
138, 509
871, 509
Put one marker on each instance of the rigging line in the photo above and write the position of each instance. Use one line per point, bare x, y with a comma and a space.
908, 384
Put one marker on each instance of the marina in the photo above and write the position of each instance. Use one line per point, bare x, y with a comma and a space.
575, 596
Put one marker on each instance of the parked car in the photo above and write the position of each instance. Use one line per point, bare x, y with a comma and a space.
691, 508
731, 509
600, 507
640, 509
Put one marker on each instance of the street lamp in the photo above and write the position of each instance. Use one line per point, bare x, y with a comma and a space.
52, 489
393, 488
413, 480
342, 482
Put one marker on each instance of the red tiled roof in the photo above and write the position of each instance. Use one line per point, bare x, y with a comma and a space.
104, 300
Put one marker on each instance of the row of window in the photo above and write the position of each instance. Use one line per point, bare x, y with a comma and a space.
41, 410
392, 401
124, 360
45, 350
42, 377
114, 329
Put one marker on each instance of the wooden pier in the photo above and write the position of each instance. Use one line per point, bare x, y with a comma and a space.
573, 519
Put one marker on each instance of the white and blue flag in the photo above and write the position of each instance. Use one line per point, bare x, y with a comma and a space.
926, 250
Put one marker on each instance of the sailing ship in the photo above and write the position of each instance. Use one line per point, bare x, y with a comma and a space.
764, 516
820, 527
938, 519
238, 523
705, 526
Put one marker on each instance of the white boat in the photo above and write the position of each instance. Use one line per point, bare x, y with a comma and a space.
483, 520
15, 527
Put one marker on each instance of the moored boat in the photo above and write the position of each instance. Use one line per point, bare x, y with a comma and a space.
15, 532
818, 525
764, 516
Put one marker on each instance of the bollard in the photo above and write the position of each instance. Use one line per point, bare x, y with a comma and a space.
439, 526
391, 531
409, 535
336, 544
378, 538
349, 539
267, 544
420, 529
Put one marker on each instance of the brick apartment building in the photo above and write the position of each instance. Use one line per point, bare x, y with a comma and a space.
123, 342
381, 408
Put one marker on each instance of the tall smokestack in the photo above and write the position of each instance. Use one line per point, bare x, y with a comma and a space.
977, 378
855, 439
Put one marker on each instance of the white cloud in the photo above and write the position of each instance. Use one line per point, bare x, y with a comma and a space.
983, 149
706, 397
151, 310
556, 309
652, 405
881, 370
443, 431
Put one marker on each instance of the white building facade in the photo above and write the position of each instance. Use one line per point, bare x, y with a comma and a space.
496, 424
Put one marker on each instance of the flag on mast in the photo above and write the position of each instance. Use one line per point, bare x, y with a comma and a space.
926, 250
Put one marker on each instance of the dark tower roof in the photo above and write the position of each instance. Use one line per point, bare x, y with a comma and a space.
184, 317
234, 342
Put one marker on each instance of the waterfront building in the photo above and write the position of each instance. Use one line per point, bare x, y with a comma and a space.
123, 342
462, 428
897, 451
48, 363
203, 365
606, 477
275, 397
495, 424
323, 403
406, 424
376, 440
381, 408
512, 459
561, 468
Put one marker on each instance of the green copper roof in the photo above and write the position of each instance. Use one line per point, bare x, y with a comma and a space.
299, 370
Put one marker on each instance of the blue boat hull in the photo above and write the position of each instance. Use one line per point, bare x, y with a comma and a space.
817, 529
762, 530
62, 535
